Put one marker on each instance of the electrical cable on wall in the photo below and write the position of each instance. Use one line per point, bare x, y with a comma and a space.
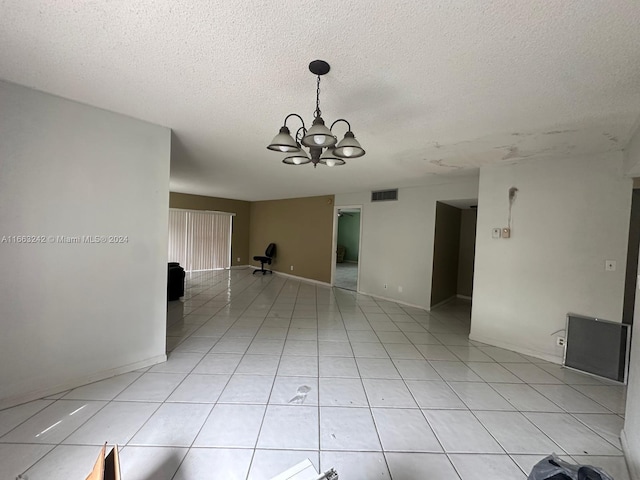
512, 197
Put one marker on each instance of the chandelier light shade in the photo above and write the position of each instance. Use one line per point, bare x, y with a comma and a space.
298, 158
329, 159
349, 147
322, 144
284, 142
319, 135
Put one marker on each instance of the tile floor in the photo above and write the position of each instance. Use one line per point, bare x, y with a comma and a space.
264, 372
346, 276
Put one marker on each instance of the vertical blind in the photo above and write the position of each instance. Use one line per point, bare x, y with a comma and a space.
200, 240
178, 236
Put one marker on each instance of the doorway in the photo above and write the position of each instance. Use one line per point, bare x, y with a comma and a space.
632, 259
346, 266
453, 251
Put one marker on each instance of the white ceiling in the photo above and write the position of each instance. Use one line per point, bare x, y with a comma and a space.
430, 87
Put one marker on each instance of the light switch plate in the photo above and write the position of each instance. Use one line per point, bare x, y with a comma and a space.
610, 265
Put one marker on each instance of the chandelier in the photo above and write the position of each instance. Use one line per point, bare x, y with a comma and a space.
322, 144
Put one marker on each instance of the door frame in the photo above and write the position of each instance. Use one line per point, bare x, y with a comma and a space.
334, 243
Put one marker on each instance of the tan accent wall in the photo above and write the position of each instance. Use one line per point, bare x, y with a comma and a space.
301, 228
446, 247
468, 220
240, 233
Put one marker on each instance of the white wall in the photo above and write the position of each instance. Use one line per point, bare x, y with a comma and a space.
397, 238
569, 216
631, 432
73, 313
632, 153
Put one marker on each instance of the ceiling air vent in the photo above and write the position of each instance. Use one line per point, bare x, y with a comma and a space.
384, 195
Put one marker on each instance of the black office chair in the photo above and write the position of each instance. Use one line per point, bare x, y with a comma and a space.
269, 253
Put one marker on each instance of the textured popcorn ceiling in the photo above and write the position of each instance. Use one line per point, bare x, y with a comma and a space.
431, 87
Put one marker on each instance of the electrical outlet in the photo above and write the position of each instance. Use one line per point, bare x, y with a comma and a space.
506, 232
496, 232
399, 289
238, 259
292, 268
560, 341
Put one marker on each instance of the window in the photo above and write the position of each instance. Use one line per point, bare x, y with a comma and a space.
200, 240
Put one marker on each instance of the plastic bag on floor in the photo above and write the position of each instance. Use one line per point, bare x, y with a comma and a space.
553, 468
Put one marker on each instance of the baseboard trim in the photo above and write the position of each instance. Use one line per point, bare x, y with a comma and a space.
515, 348
634, 468
444, 302
303, 279
394, 300
464, 297
238, 267
295, 277
78, 382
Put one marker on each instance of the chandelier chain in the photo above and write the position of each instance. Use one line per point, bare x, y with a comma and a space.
318, 113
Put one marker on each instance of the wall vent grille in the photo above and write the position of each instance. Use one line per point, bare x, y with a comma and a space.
384, 195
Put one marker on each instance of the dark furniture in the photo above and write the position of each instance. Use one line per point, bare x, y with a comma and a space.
597, 346
175, 281
269, 253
